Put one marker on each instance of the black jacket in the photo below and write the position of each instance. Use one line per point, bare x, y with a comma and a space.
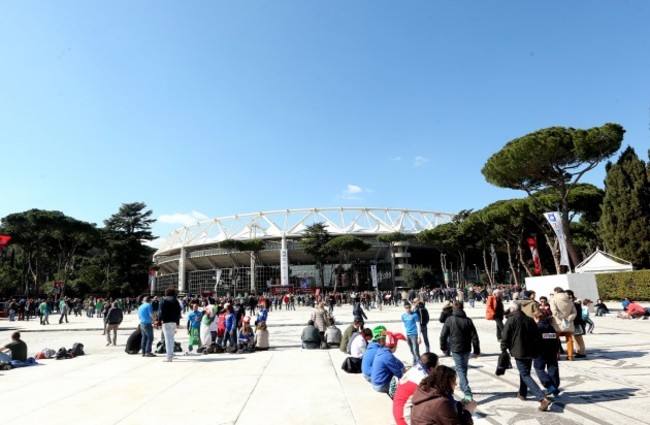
549, 342
459, 330
169, 310
521, 336
114, 316
423, 313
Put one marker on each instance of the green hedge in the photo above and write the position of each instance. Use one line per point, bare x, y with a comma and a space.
616, 286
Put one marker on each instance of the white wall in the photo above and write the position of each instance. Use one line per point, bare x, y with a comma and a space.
583, 285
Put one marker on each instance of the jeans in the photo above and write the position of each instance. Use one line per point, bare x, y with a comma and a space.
415, 348
147, 338
425, 338
547, 371
526, 382
461, 360
499, 323
169, 329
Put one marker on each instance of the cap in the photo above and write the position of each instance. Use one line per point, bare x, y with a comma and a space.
393, 338
378, 332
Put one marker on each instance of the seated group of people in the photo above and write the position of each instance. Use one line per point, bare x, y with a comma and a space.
430, 386
632, 310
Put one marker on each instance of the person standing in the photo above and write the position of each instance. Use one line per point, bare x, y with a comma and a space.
564, 313
545, 363
146, 318
522, 337
112, 321
63, 310
423, 313
44, 310
494, 311
411, 321
194, 327
169, 315
457, 337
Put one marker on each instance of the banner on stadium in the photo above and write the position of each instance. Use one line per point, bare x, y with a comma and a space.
284, 267
555, 220
373, 275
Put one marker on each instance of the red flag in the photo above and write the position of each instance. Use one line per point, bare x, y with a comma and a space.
532, 243
4, 240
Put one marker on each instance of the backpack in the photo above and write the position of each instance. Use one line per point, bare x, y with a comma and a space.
491, 305
62, 354
134, 343
351, 365
77, 349
221, 325
161, 349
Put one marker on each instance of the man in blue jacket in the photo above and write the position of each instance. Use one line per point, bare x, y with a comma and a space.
371, 350
385, 364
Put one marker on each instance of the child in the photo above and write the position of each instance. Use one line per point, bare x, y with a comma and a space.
246, 340
546, 364
585, 316
194, 327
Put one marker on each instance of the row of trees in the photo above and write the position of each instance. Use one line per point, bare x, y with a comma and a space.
548, 165
48, 247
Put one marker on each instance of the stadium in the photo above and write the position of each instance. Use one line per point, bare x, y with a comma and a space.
192, 260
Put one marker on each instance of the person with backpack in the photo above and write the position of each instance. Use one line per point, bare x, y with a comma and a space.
494, 311
112, 321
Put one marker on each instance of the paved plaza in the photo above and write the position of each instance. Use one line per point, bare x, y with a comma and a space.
287, 385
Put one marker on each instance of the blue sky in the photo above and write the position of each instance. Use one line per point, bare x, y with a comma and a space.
208, 108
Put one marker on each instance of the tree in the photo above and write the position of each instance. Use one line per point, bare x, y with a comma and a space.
345, 245
451, 237
554, 157
125, 233
391, 239
419, 277
314, 242
625, 221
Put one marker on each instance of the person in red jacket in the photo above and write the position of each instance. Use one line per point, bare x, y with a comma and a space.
407, 385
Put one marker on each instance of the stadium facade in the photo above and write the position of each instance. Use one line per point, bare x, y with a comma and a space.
191, 260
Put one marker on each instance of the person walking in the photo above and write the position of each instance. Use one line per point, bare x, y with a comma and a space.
458, 337
169, 315
146, 318
522, 337
112, 321
494, 311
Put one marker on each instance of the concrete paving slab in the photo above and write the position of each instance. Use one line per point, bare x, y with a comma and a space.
287, 385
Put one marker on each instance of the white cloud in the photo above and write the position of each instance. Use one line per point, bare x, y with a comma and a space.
353, 188
352, 192
419, 161
183, 218
395, 158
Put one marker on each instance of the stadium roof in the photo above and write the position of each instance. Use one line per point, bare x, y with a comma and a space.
291, 223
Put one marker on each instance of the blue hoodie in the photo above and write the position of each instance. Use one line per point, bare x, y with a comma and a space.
368, 357
385, 366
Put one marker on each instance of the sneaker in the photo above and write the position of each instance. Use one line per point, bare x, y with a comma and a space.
580, 356
108, 343
543, 405
521, 397
150, 355
468, 397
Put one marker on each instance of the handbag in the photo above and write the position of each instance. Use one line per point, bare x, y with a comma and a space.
565, 325
503, 363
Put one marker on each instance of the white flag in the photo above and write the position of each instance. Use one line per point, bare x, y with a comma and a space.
555, 220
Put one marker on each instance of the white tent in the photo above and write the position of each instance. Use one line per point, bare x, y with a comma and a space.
602, 262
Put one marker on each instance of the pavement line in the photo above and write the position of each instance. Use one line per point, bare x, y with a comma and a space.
254, 387
338, 378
